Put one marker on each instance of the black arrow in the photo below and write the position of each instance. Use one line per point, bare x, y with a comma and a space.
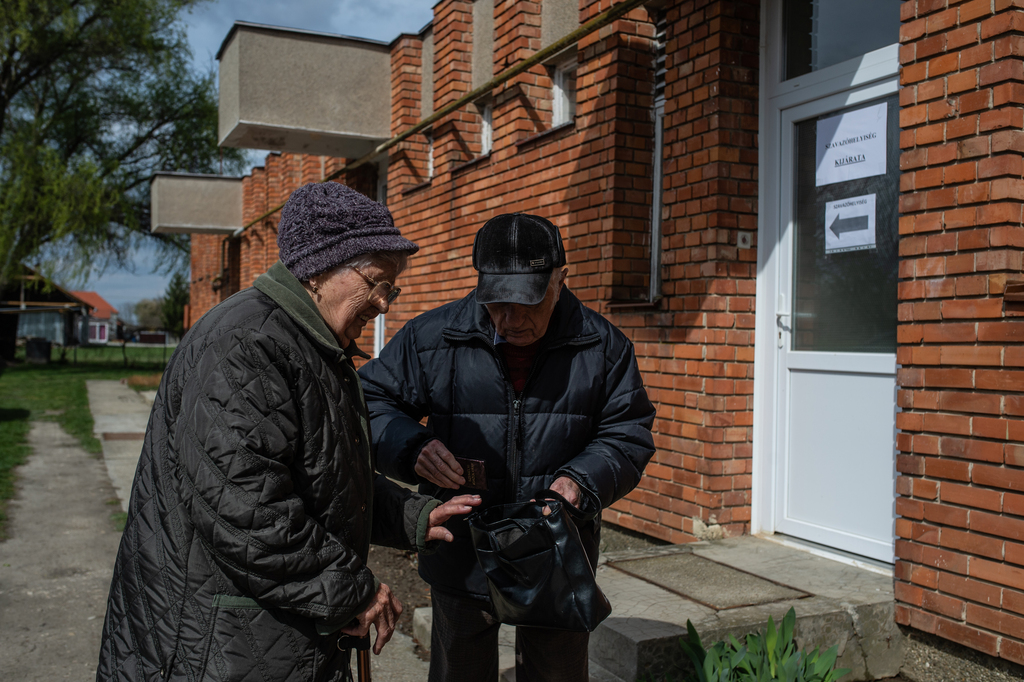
854, 224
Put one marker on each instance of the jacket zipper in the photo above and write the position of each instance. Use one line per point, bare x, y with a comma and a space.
515, 465
517, 403
513, 479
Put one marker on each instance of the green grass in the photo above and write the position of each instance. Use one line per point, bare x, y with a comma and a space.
119, 519
53, 392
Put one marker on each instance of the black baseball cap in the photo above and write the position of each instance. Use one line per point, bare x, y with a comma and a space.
515, 254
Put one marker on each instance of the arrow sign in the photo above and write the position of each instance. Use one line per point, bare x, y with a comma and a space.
852, 219
852, 224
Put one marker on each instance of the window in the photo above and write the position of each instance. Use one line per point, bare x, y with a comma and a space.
486, 127
430, 154
658, 117
382, 181
563, 109
820, 33
97, 332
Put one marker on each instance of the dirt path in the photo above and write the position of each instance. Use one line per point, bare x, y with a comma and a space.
55, 568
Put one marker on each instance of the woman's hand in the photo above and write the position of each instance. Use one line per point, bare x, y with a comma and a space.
461, 504
382, 613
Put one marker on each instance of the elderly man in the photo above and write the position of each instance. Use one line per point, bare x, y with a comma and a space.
523, 389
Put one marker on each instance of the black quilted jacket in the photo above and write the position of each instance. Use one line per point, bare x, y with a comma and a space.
254, 504
583, 414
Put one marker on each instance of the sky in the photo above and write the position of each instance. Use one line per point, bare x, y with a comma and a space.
206, 27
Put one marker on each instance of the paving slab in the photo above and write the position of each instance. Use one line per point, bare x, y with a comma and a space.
120, 415
117, 408
706, 582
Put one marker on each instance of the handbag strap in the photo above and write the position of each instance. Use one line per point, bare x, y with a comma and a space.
570, 508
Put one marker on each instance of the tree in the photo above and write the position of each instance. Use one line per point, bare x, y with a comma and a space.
126, 313
96, 95
147, 313
172, 305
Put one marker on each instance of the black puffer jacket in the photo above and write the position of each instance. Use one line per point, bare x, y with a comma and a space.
254, 504
583, 414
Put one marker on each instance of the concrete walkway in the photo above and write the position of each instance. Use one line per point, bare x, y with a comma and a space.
56, 564
120, 415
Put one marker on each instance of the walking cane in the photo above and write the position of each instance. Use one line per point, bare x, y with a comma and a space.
363, 665
361, 647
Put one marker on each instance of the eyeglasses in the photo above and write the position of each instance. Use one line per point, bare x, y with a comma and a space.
381, 293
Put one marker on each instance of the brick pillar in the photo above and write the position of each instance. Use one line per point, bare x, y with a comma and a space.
960, 535
522, 106
205, 266
256, 202
407, 162
453, 50
615, 83
697, 352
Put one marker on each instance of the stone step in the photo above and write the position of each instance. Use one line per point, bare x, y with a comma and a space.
730, 587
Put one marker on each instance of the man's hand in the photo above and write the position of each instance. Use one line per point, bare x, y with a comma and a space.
436, 464
567, 488
463, 504
382, 613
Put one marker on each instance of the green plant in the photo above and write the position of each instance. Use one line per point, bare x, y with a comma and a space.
763, 657
119, 519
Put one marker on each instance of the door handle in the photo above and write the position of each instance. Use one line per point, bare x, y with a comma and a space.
781, 326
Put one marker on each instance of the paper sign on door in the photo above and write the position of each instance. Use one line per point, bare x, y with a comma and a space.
851, 145
850, 224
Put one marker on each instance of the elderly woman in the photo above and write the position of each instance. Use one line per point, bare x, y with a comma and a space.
255, 501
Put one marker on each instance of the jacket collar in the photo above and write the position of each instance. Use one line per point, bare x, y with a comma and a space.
568, 324
282, 286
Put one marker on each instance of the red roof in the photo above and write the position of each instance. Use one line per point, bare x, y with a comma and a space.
101, 310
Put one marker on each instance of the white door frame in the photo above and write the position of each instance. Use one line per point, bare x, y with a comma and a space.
879, 67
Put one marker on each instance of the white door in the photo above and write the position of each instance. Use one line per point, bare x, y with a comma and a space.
825, 363
836, 321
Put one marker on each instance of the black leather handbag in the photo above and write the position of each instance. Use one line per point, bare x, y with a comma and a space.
537, 570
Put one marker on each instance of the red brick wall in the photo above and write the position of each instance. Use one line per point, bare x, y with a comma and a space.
698, 351
407, 161
206, 265
696, 346
960, 535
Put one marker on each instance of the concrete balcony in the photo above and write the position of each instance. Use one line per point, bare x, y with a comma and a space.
193, 203
303, 92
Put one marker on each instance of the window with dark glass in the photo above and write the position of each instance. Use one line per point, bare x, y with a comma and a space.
845, 300
820, 33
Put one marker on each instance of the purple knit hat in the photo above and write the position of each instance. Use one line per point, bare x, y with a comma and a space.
324, 224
